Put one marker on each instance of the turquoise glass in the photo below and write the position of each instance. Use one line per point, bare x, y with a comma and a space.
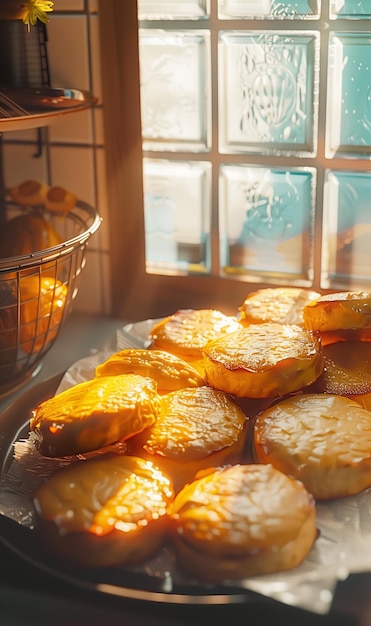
346, 230
266, 219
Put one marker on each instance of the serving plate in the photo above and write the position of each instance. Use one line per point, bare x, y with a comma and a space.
340, 549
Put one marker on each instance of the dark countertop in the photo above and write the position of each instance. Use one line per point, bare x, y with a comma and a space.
30, 596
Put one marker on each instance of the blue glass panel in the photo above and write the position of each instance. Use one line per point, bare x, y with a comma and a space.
346, 229
348, 129
350, 9
177, 215
266, 218
268, 92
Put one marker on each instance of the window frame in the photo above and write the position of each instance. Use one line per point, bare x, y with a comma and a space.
135, 293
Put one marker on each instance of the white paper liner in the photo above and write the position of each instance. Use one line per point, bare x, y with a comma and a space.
343, 545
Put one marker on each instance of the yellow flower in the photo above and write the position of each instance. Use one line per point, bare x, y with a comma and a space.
34, 10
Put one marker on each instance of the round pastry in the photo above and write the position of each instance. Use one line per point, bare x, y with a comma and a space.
196, 428
281, 305
169, 371
28, 193
263, 360
94, 414
185, 332
242, 521
105, 511
324, 440
339, 311
59, 199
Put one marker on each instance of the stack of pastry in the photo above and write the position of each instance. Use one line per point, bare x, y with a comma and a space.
241, 484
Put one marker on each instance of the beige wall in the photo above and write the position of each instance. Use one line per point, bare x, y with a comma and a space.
73, 151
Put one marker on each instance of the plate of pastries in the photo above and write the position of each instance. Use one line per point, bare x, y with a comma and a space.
212, 456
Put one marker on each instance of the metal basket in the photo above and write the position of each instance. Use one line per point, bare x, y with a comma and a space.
37, 290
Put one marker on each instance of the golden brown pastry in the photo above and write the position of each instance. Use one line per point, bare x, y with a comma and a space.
324, 440
339, 311
28, 193
195, 428
242, 521
105, 511
169, 371
186, 331
263, 360
59, 199
94, 414
281, 305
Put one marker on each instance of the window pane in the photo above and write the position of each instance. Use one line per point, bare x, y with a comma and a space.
346, 230
349, 95
350, 8
268, 92
248, 9
177, 215
175, 90
168, 9
266, 219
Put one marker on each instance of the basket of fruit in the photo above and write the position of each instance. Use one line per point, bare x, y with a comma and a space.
43, 238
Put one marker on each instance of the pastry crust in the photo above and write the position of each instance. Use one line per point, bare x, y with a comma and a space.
324, 440
339, 311
281, 305
186, 331
94, 414
240, 521
169, 371
104, 511
263, 360
195, 429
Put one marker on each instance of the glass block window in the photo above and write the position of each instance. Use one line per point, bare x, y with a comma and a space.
256, 127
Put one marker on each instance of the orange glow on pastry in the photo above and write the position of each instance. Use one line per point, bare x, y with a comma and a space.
281, 305
240, 521
263, 360
195, 429
339, 311
94, 414
169, 371
185, 332
105, 511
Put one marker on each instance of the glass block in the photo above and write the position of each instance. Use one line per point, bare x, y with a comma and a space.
177, 215
170, 10
350, 9
175, 89
348, 121
346, 246
268, 92
263, 9
266, 219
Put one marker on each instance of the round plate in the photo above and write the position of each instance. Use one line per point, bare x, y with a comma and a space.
144, 584
35, 107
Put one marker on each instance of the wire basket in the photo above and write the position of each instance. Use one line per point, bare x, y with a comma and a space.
37, 291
